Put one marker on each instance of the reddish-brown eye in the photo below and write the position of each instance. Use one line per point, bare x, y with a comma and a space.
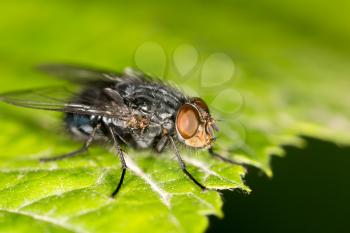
187, 121
200, 103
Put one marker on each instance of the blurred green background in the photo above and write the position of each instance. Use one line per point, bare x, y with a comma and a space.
293, 63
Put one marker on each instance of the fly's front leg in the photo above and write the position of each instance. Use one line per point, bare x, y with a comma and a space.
222, 158
83, 149
162, 144
183, 165
121, 158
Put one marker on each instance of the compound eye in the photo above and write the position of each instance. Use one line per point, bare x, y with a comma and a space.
187, 121
200, 103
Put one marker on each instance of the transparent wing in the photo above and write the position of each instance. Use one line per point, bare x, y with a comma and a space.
63, 100
78, 74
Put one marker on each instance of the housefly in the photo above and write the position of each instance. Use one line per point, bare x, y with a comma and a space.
130, 109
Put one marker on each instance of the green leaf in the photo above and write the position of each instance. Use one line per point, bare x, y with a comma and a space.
282, 70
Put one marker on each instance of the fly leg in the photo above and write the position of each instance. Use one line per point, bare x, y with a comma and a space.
161, 144
121, 158
183, 165
222, 158
83, 149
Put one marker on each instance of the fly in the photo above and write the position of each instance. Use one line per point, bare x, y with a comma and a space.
128, 109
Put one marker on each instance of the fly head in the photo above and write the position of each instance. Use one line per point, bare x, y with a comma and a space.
194, 125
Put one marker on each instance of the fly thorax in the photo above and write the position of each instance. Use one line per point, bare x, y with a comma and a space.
168, 125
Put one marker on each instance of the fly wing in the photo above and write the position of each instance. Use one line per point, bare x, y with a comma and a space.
79, 74
63, 100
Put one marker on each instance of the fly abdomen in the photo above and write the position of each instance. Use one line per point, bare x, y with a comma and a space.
81, 125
